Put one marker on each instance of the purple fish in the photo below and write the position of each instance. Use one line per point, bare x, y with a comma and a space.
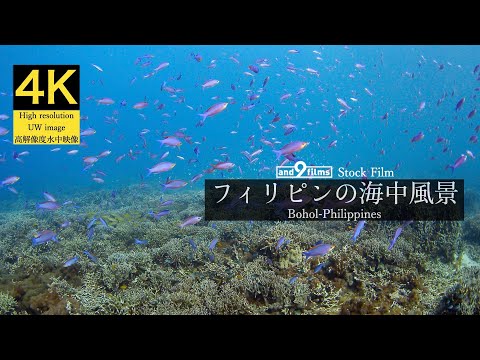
90, 233
192, 220
213, 244
358, 229
166, 203
280, 243
196, 178
44, 237
213, 110
141, 242
472, 113
161, 167
174, 184
48, 205
290, 148
88, 132
418, 137
66, 224
254, 68
49, 197
318, 267
319, 250
192, 244
395, 237
458, 162
159, 214
90, 256
103, 222
10, 180
459, 104
170, 141
91, 223
71, 261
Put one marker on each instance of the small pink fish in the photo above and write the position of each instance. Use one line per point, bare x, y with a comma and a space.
104, 154
48, 205
10, 180
196, 178
290, 148
161, 66
89, 160
461, 160
223, 165
213, 110
333, 144
98, 180
344, 104
418, 137
72, 152
209, 84
140, 105
174, 184
161, 167
120, 158
170, 141
88, 132
192, 220
105, 101
460, 104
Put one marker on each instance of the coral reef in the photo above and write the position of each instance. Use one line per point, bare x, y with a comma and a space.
471, 229
7, 304
175, 272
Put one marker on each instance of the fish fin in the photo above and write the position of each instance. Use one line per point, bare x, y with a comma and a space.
278, 153
204, 116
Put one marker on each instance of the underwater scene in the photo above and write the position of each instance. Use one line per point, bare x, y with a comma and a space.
116, 225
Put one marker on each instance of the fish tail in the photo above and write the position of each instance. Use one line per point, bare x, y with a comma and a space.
278, 153
149, 172
204, 116
164, 187
451, 166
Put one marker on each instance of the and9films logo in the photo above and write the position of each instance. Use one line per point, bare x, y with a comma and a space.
301, 171
46, 104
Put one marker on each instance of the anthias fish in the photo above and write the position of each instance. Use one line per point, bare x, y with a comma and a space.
290, 148
358, 228
319, 250
192, 220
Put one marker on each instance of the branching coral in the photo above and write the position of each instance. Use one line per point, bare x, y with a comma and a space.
177, 273
7, 304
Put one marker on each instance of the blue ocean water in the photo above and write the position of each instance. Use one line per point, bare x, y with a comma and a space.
399, 78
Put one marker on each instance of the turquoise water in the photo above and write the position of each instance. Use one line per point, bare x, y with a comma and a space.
364, 138
355, 106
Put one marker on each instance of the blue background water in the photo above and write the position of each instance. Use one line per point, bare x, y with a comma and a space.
362, 132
